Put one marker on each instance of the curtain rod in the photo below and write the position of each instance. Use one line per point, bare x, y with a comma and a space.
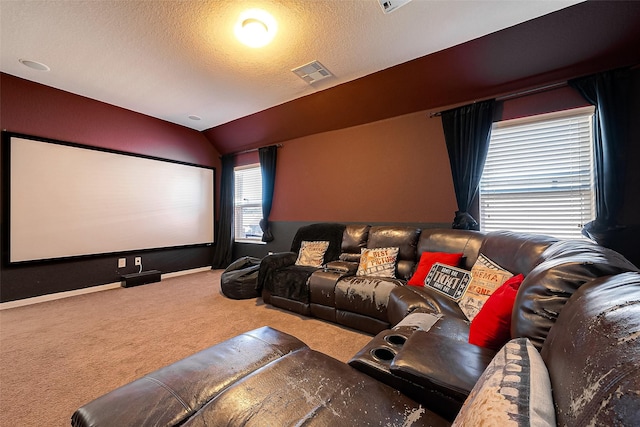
514, 95
250, 150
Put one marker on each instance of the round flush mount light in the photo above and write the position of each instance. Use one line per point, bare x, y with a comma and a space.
35, 65
194, 117
255, 28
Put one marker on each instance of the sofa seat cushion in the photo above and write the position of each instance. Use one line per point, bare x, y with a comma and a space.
291, 282
365, 295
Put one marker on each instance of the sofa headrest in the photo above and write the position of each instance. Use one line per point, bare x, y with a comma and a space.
516, 252
451, 241
593, 354
355, 238
331, 232
404, 238
544, 292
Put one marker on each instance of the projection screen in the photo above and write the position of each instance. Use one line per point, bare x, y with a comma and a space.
71, 200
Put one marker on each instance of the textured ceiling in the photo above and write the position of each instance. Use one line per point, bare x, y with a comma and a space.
172, 59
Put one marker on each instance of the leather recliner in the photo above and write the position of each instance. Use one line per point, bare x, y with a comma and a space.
266, 377
283, 283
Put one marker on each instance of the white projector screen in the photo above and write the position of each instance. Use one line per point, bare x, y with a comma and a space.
70, 200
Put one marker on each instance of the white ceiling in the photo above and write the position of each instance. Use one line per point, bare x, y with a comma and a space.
172, 59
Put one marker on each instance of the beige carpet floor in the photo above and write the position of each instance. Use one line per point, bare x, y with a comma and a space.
57, 355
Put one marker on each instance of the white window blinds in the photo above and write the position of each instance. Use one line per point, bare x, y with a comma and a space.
538, 176
248, 202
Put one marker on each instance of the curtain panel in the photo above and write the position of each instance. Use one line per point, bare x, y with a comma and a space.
610, 92
467, 131
268, 157
223, 252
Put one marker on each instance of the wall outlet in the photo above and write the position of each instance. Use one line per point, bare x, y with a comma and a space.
122, 262
138, 260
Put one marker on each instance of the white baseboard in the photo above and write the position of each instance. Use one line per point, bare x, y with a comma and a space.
67, 294
183, 272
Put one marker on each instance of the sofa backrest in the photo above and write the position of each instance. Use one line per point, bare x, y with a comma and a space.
331, 232
593, 354
354, 239
566, 266
451, 241
404, 238
516, 252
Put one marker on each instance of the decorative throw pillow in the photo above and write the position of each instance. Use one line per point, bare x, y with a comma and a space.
379, 262
514, 390
449, 281
486, 277
491, 328
427, 259
312, 254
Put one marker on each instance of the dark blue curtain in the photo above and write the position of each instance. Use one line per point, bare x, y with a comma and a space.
223, 253
467, 131
268, 156
611, 94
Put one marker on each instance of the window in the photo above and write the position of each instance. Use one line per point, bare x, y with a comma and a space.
248, 203
538, 176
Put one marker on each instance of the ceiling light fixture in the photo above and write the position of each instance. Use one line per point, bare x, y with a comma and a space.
34, 65
255, 28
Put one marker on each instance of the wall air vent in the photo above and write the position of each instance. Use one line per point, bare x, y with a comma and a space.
312, 72
389, 6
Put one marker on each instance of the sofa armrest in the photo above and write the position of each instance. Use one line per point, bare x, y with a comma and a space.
273, 262
427, 359
346, 267
404, 300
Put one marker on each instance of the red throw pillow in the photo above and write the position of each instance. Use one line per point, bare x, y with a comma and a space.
427, 259
491, 327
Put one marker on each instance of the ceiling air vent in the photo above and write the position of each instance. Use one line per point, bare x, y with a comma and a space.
312, 72
389, 6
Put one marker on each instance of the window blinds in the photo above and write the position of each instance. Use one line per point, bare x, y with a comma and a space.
538, 176
248, 203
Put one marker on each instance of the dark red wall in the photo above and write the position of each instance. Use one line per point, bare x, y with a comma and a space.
38, 110
34, 109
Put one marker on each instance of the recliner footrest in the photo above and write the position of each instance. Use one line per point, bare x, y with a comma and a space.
171, 394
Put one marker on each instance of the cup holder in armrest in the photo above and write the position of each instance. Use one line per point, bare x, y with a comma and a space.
383, 354
395, 339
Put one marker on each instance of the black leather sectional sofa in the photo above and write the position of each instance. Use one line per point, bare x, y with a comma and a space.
575, 330
553, 270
